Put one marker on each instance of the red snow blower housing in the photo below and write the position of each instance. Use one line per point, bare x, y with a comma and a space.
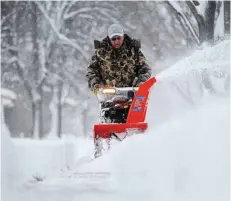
122, 110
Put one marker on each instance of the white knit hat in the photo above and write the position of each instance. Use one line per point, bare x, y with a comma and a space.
115, 30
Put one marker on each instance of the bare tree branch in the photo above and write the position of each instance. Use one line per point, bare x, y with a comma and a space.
88, 9
199, 19
5, 18
181, 15
20, 66
61, 36
69, 6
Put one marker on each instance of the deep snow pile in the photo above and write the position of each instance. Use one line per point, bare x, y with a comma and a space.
190, 82
186, 158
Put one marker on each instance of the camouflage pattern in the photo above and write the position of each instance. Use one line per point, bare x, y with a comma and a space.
126, 66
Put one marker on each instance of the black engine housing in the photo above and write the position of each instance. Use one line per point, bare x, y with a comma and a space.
117, 115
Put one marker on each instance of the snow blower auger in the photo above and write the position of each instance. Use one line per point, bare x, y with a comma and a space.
122, 113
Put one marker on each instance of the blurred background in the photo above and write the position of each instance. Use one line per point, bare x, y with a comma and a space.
47, 46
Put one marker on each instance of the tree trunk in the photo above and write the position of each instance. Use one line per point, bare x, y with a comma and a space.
209, 20
33, 108
227, 17
56, 109
59, 108
37, 95
37, 117
40, 109
199, 19
85, 119
37, 120
35, 39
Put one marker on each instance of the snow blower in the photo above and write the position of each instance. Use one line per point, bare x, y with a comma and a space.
122, 113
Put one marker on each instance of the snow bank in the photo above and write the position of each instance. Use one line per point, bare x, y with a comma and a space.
43, 159
9, 172
190, 82
187, 158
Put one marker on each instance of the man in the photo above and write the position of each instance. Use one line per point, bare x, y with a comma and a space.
117, 62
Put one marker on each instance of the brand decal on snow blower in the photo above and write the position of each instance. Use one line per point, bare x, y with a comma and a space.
137, 109
138, 104
140, 97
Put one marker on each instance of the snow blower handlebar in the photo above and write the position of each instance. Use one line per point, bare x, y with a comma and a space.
117, 91
109, 92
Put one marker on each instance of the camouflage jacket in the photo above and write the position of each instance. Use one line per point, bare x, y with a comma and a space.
126, 65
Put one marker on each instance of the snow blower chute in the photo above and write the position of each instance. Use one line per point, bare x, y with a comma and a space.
122, 113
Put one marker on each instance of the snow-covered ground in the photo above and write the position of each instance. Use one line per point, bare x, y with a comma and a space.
183, 156
45, 158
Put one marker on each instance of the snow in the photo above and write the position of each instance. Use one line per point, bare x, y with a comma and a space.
71, 102
190, 82
183, 156
9, 172
201, 8
219, 26
52, 155
7, 96
181, 161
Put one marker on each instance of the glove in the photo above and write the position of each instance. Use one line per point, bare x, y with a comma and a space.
96, 89
110, 83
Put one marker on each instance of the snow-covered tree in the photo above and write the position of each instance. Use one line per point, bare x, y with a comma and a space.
227, 17
205, 13
26, 67
48, 44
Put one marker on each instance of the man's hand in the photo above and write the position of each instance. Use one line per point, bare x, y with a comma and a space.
110, 83
96, 89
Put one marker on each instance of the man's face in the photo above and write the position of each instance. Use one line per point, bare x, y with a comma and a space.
117, 41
